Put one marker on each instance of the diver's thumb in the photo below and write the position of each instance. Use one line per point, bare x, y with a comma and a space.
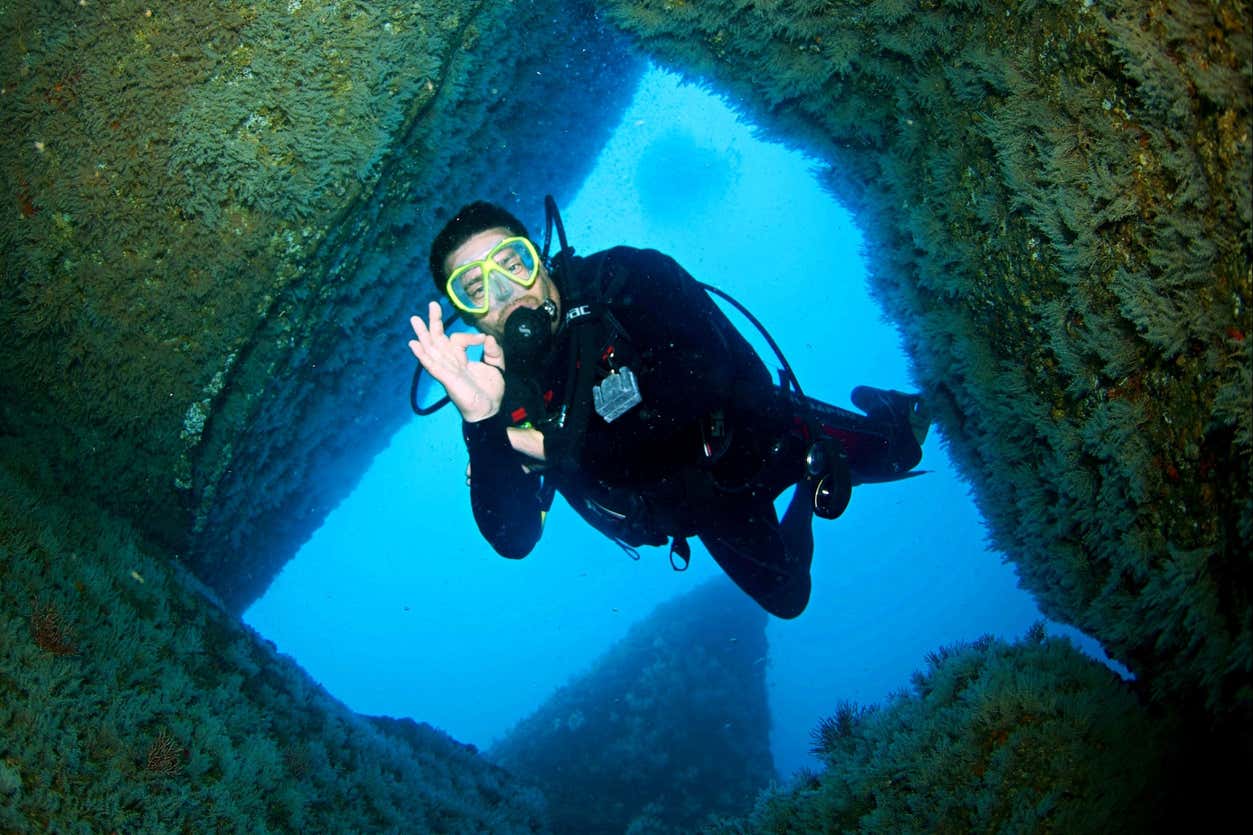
493, 354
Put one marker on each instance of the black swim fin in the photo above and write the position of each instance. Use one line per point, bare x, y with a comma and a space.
896, 408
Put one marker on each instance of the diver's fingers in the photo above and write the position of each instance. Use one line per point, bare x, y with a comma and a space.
450, 347
435, 363
467, 473
437, 319
465, 339
419, 327
492, 352
422, 334
435, 354
424, 347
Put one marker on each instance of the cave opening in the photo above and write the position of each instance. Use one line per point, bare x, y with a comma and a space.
397, 606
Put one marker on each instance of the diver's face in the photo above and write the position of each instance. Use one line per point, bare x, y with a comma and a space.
505, 296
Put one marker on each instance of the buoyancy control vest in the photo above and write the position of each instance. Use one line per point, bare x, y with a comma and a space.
601, 366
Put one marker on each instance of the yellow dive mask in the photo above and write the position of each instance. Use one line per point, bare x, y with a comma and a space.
476, 285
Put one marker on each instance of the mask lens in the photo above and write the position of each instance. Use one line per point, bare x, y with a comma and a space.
467, 289
516, 257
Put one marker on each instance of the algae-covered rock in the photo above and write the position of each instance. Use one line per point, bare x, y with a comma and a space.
670, 726
992, 737
10, 779
132, 702
1056, 201
218, 216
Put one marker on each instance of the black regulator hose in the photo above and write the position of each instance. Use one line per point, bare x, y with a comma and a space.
789, 376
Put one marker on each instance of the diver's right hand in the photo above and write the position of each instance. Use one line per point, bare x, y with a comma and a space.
475, 388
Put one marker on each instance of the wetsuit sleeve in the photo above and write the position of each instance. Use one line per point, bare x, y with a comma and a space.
504, 497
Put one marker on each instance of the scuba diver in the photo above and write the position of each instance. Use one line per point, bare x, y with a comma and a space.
615, 380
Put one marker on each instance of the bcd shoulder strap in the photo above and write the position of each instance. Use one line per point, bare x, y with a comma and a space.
587, 307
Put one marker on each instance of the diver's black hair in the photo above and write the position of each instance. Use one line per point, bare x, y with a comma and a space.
465, 224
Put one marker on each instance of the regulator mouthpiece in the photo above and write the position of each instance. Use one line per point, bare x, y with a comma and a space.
528, 333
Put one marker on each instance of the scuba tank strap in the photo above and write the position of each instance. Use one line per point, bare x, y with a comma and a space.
585, 309
564, 440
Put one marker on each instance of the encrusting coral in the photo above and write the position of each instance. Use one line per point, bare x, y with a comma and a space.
131, 702
669, 727
1056, 201
992, 737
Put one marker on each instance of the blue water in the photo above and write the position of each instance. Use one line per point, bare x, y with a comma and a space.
398, 607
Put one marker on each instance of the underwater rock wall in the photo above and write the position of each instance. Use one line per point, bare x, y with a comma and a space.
992, 737
1056, 200
129, 702
216, 231
669, 727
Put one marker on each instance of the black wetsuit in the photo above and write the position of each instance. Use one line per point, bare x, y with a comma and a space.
707, 450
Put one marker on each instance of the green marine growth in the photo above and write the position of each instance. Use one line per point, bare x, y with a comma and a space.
132, 703
993, 737
670, 726
1056, 201
173, 172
